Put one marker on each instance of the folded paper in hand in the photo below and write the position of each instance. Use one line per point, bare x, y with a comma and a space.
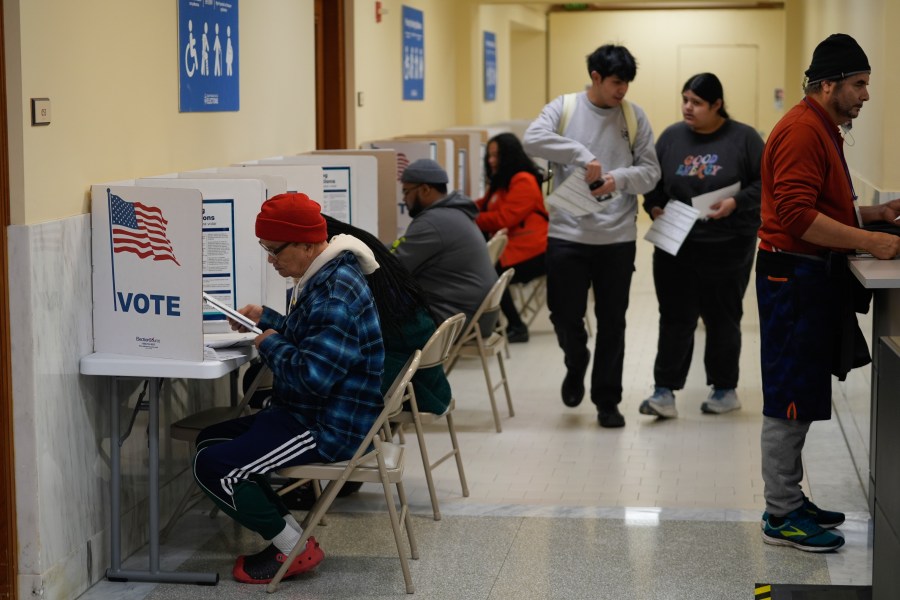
574, 196
670, 229
704, 202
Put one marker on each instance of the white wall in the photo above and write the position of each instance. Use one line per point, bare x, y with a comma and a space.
454, 92
377, 54
655, 37
874, 155
503, 21
110, 70
528, 80
785, 39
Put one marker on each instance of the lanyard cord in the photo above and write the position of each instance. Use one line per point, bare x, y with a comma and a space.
840, 151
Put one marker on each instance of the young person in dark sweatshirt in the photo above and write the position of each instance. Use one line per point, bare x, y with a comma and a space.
706, 152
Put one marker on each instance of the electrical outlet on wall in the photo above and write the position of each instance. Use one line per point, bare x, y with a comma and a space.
40, 111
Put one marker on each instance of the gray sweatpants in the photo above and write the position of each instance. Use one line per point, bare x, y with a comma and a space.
782, 466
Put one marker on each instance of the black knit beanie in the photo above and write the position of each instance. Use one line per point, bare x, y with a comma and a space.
837, 57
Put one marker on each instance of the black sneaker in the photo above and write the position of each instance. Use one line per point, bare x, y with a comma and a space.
517, 334
826, 519
573, 385
610, 418
262, 566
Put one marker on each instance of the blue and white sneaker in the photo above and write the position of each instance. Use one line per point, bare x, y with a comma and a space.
799, 530
660, 404
721, 401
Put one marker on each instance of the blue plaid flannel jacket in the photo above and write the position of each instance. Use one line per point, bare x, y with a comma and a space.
327, 357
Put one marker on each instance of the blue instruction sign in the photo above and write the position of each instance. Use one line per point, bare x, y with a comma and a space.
490, 66
208, 65
413, 54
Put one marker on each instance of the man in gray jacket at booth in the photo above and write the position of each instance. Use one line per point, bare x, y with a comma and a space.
442, 247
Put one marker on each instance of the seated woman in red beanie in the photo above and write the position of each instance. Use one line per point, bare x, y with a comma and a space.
326, 358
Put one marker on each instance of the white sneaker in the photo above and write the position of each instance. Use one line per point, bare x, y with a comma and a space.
660, 404
721, 401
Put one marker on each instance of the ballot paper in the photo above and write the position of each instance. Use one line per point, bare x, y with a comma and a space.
222, 354
670, 229
233, 339
703, 202
574, 196
231, 313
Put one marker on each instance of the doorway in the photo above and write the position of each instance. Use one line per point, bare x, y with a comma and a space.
8, 542
331, 87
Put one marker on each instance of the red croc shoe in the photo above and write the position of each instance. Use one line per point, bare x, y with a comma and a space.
262, 566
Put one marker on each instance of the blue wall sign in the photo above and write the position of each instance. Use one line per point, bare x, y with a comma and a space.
208, 65
490, 66
413, 54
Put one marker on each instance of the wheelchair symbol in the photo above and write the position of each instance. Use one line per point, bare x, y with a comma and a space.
190, 52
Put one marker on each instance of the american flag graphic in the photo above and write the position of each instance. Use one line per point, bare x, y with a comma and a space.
139, 229
402, 163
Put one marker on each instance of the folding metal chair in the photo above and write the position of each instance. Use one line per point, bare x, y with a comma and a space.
376, 460
497, 244
473, 343
435, 353
529, 297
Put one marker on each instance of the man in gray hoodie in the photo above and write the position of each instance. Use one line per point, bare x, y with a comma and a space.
595, 250
442, 247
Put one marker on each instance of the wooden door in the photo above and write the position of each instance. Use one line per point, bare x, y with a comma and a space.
8, 544
331, 89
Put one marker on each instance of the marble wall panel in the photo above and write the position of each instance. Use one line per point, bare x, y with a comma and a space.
61, 425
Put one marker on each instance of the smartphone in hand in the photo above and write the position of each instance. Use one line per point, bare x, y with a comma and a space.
594, 185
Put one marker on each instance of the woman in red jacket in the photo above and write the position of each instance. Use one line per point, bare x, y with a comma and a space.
514, 202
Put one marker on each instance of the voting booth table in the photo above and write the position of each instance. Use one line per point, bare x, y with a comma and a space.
157, 245
882, 277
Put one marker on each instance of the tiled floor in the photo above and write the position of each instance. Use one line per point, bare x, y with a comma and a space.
560, 508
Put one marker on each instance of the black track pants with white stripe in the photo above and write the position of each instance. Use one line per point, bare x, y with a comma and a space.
233, 458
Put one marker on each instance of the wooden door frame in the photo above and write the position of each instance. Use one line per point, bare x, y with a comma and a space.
331, 80
9, 553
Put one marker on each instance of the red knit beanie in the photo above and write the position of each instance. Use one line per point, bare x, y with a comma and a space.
291, 218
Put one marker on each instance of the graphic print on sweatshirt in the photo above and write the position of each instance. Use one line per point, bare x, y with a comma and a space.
699, 165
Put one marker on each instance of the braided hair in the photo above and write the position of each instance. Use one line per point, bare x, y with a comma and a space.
398, 296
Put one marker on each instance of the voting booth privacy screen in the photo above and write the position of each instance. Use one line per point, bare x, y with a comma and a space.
147, 266
349, 186
159, 243
407, 152
234, 266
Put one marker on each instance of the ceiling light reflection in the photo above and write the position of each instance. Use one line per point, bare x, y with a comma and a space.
642, 517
